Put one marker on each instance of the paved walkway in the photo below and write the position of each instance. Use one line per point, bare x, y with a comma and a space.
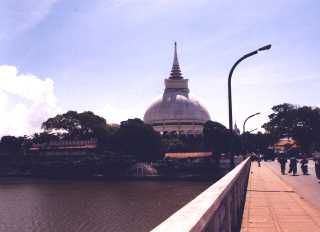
272, 205
306, 186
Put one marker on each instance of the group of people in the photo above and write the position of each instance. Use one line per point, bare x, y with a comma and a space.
256, 157
293, 163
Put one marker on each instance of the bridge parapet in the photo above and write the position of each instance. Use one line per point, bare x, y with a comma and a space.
216, 209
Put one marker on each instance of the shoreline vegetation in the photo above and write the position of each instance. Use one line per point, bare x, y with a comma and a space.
101, 167
84, 145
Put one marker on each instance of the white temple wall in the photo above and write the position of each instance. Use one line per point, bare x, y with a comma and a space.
181, 129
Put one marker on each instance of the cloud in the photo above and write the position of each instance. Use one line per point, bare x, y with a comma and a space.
25, 101
20, 16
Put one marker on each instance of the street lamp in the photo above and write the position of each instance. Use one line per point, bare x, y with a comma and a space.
245, 121
267, 47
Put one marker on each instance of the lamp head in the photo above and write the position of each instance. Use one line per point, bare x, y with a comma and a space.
267, 47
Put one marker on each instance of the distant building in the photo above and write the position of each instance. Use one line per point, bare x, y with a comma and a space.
61, 148
176, 111
285, 144
186, 155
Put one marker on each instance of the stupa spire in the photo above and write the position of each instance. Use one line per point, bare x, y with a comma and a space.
175, 71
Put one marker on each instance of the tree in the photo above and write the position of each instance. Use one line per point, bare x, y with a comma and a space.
139, 139
107, 140
44, 137
216, 137
11, 145
75, 125
300, 123
256, 142
282, 120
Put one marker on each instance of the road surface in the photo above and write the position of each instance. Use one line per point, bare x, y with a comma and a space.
306, 186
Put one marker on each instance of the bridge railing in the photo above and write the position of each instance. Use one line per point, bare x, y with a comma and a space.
218, 208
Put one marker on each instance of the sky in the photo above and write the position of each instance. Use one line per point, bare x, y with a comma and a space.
112, 56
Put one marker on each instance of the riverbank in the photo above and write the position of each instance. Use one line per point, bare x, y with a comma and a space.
100, 167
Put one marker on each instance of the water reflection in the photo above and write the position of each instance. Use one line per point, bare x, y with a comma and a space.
59, 205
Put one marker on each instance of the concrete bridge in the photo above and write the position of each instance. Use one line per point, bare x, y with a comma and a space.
252, 199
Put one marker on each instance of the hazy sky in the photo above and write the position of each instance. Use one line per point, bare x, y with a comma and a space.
111, 56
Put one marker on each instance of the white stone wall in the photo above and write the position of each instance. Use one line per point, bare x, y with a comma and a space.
216, 209
181, 129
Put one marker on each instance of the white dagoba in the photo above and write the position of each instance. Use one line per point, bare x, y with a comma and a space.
176, 111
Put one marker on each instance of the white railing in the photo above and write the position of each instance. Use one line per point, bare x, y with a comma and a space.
216, 209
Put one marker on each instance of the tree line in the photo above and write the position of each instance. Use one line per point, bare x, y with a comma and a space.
135, 138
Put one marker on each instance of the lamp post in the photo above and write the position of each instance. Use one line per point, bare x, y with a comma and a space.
245, 121
267, 47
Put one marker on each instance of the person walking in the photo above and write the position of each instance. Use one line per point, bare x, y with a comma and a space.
317, 166
259, 160
304, 166
282, 160
293, 166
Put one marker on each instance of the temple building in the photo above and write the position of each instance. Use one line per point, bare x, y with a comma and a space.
64, 148
176, 111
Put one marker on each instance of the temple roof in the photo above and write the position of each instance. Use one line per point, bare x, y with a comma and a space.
183, 155
175, 71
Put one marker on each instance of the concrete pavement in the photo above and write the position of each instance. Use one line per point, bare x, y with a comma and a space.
306, 186
274, 206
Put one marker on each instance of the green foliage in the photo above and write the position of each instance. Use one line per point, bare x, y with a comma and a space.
216, 137
14, 145
78, 126
73, 125
44, 137
282, 120
300, 123
256, 142
134, 137
138, 139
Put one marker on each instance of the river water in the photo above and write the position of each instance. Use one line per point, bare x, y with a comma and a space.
90, 206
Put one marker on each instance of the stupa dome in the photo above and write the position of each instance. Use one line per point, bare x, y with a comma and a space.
176, 110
